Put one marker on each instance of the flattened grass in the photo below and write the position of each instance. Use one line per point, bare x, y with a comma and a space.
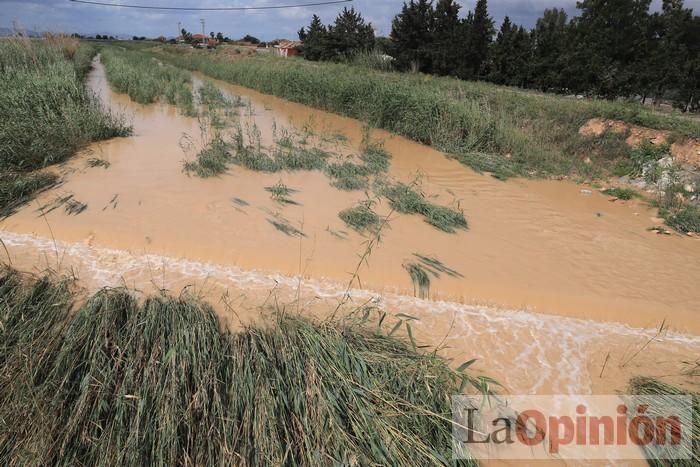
405, 199
425, 268
642, 389
16, 189
123, 382
361, 217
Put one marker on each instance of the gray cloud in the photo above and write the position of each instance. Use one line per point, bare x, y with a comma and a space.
63, 15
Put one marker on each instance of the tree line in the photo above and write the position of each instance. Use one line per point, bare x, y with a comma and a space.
611, 49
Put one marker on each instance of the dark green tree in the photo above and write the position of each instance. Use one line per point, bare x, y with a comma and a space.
510, 56
314, 40
608, 40
349, 35
686, 58
251, 39
549, 50
478, 30
446, 42
412, 36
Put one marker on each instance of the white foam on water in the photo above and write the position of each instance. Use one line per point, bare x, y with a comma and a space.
532, 352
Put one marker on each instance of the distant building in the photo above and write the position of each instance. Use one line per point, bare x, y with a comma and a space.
287, 48
200, 40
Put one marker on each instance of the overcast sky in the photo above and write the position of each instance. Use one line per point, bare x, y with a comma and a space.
67, 16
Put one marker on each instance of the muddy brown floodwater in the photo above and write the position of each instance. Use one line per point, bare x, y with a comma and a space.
560, 287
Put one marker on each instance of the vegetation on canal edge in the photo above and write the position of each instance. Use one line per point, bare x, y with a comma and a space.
647, 391
625, 194
47, 112
493, 128
158, 382
146, 80
16, 189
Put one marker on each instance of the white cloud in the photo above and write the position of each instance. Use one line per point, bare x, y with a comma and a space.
69, 16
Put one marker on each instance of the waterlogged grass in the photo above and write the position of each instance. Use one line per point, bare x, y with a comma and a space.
435, 266
684, 219
281, 192
420, 278
493, 128
648, 391
361, 217
16, 189
422, 269
348, 176
123, 382
73, 207
146, 80
621, 193
406, 199
211, 161
95, 162
281, 224
210, 95
240, 202
47, 113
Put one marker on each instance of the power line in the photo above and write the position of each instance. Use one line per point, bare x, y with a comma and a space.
233, 8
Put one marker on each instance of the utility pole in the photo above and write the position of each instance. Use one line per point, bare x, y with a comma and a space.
179, 28
204, 36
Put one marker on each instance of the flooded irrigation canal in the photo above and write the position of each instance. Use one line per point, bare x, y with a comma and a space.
557, 289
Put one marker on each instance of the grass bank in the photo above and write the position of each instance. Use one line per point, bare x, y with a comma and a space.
491, 128
47, 113
123, 382
647, 391
146, 80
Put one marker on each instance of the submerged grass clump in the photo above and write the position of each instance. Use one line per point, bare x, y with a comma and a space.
436, 266
240, 202
301, 158
280, 192
423, 269
94, 162
350, 176
649, 392
405, 199
73, 207
211, 161
621, 193
361, 217
210, 95
124, 382
420, 278
284, 226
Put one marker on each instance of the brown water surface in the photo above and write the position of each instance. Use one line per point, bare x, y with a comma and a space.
590, 283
